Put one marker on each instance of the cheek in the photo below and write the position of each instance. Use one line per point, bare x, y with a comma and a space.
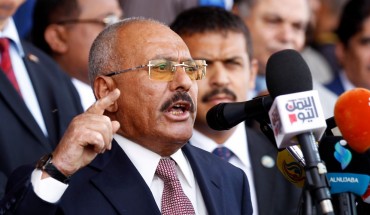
300, 41
241, 86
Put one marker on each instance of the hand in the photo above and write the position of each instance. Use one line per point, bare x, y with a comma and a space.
87, 135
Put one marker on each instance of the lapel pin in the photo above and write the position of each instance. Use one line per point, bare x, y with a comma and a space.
33, 58
267, 161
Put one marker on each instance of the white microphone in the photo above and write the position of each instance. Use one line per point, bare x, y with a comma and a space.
294, 114
297, 113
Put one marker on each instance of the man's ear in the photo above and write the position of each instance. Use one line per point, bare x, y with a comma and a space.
102, 86
56, 36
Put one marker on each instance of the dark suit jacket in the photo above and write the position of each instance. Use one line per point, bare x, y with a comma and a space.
275, 194
21, 139
112, 185
336, 86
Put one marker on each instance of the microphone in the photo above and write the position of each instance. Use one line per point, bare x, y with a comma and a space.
348, 173
291, 164
296, 112
296, 108
351, 114
224, 116
366, 196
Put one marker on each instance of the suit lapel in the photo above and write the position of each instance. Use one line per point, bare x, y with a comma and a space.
209, 180
123, 185
264, 188
17, 105
43, 92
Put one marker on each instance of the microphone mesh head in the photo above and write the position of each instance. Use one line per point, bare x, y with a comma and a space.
286, 73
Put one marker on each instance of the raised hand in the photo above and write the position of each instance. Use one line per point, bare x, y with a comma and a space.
87, 135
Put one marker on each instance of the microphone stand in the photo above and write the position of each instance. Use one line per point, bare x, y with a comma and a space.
316, 173
345, 203
316, 181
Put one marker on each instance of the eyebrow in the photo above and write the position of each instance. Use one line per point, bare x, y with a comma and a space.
364, 39
223, 59
169, 58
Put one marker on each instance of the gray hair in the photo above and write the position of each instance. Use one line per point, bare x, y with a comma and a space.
104, 56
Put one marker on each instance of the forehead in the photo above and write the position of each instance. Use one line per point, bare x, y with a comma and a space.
292, 10
216, 44
149, 41
96, 8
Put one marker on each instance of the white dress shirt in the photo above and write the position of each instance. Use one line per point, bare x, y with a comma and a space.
85, 92
238, 144
51, 190
17, 54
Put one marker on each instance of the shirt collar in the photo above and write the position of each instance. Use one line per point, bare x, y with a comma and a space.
347, 84
147, 163
237, 143
10, 32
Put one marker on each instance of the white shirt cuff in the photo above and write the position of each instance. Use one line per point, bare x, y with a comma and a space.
48, 189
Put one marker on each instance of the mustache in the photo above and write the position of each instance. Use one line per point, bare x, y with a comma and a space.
214, 92
179, 96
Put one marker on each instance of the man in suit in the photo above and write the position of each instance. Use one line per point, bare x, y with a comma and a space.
37, 107
276, 25
146, 85
223, 40
65, 29
352, 49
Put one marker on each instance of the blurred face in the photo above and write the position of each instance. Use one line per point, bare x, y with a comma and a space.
80, 36
355, 58
277, 25
157, 114
229, 75
7, 9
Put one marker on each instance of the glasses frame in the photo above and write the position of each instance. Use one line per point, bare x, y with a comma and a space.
106, 21
173, 70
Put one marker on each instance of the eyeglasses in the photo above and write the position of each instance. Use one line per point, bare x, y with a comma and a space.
106, 21
164, 70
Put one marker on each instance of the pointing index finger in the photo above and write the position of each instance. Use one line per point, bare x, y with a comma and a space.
101, 104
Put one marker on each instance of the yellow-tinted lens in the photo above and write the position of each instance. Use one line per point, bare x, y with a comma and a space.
163, 70
196, 69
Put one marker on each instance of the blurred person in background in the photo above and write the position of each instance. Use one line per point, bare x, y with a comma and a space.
37, 99
276, 25
65, 29
353, 47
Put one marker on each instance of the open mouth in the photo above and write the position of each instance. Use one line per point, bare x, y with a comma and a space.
179, 108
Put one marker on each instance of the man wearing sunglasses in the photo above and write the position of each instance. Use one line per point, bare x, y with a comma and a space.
146, 84
65, 29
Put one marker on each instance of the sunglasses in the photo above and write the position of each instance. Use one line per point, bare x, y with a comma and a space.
164, 70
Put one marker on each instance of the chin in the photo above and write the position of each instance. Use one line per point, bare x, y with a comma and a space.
180, 136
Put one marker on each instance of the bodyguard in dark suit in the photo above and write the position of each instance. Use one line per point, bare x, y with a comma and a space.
146, 84
34, 119
222, 39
